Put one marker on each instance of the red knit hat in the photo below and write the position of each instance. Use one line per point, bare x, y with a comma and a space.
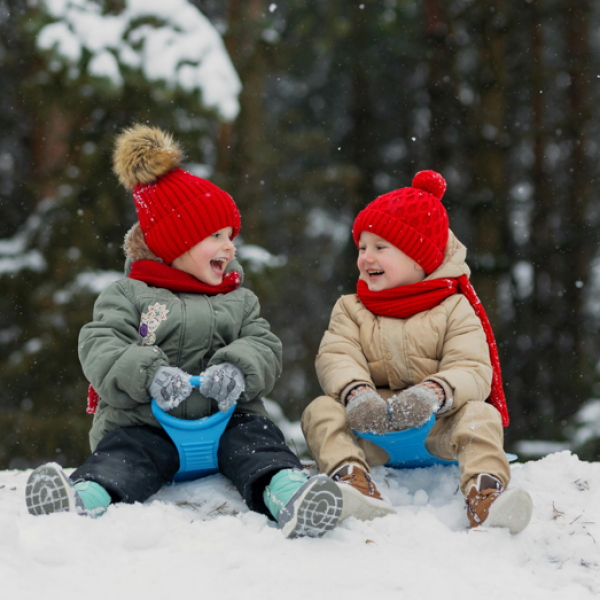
176, 209
411, 218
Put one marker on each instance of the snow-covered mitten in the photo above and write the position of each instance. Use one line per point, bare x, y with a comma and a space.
413, 407
224, 383
367, 411
170, 387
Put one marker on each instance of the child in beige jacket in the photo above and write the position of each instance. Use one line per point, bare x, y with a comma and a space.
414, 341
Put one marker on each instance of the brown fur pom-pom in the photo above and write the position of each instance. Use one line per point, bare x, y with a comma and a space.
142, 154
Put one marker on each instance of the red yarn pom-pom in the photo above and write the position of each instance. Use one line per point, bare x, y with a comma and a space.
430, 181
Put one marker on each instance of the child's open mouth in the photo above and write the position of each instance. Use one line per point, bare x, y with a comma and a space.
218, 265
375, 273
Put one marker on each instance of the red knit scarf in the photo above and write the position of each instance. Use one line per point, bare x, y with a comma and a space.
407, 300
160, 275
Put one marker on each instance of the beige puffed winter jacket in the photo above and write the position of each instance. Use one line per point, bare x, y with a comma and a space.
446, 344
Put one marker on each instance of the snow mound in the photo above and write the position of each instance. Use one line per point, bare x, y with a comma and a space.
198, 539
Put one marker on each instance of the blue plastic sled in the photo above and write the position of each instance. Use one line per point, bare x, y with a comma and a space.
407, 448
197, 441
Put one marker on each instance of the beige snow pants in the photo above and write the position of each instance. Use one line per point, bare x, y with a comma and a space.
472, 434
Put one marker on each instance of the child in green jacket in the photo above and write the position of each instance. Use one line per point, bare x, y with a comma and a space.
181, 310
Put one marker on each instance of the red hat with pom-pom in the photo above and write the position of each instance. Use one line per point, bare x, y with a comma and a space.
176, 209
411, 218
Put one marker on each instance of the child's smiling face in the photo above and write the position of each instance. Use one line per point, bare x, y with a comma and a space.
382, 266
208, 259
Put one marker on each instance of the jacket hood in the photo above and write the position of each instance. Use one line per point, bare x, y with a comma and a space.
454, 263
135, 248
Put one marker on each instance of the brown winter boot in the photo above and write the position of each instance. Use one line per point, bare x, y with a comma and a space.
488, 504
361, 496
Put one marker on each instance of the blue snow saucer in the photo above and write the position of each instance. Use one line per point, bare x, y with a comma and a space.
197, 441
407, 448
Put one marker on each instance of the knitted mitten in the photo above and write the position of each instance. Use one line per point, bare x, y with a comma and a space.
170, 387
224, 383
413, 407
367, 411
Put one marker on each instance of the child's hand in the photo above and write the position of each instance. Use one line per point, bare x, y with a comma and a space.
170, 387
366, 411
224, 383
413, 407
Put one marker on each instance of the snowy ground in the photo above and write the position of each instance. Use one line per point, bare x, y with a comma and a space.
198, 540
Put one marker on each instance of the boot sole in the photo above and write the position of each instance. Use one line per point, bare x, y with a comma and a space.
512, 510
316, 509
357, 505
49, 490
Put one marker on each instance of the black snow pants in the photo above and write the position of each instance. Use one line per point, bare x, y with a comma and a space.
133, 463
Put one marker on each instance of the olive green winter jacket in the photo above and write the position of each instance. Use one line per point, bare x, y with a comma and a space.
185, 330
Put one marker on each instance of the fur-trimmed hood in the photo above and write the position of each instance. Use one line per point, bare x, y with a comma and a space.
135, 248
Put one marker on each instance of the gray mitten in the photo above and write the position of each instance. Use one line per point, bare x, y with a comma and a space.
224, 383
413, 407
367, 411
170, 387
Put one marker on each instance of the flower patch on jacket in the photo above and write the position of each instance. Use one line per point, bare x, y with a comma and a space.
150, 321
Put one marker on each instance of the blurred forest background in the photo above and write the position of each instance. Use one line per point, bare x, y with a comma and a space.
339, 102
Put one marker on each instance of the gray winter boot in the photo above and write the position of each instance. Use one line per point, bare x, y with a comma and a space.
303, 506
50, 490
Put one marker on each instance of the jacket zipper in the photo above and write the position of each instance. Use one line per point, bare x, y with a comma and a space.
181, 340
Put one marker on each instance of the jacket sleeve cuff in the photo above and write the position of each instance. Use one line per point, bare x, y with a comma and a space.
354, 384
448, 392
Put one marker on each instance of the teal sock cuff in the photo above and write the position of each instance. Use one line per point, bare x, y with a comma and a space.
95, 497
282, 487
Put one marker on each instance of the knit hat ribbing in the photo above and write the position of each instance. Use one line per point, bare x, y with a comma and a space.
411, 218
176, 209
